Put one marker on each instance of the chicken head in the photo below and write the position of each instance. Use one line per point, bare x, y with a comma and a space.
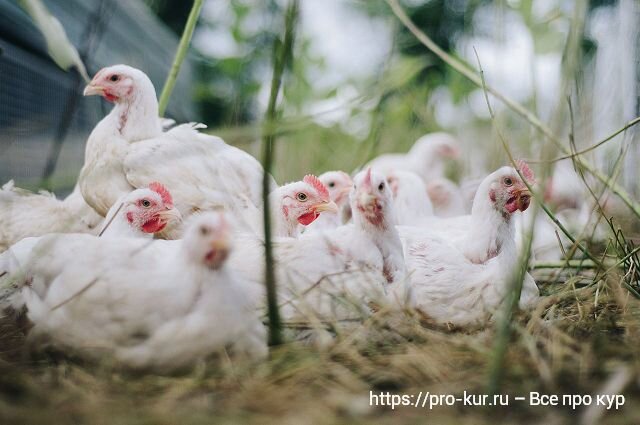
150, 209
371, 197
338, 183
507, 190
207, 239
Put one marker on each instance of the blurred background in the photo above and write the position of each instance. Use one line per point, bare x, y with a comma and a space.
360, 83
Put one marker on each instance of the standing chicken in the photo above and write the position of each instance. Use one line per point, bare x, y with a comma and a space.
338, 183
334, 274
426, 158
148, 310
25, 214
128, 149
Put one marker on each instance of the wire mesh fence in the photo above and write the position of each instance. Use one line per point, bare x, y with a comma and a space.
44, 120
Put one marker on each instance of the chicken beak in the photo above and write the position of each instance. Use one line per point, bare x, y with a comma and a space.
219, 252
92, 90
327, 207
170, 214
366, 199
221, 244
524, 199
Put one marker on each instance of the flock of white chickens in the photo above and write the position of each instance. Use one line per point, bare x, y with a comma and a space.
157, 257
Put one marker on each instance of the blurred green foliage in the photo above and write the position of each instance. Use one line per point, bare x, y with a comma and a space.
389, 110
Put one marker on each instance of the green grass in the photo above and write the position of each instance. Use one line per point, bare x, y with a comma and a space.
573, 343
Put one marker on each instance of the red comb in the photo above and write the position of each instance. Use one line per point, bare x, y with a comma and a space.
526, 172
161, 190
367, 177
317, 185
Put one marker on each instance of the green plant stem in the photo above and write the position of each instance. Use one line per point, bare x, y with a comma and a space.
281, 56
547, 211
601, 142
503, 325
181, 53
472, 76
570, 264
514, 289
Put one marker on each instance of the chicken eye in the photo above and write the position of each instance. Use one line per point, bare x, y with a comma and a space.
331, 184
301, 196
508, 181
204, 231
114, 77
381, 187
146, 203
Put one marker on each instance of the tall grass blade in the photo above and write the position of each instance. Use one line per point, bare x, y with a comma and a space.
281, 56
181, 53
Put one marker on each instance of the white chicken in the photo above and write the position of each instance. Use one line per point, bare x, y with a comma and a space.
460, 273
334, 274
468, 188
446, 197
138, 214
146, 309
293, 207
26, 214
128, 149
410, 199
450, 289
481, 235
141, 213
426, 158
338, 183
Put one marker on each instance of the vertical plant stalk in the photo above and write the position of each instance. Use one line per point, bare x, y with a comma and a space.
503, 326
496, 367
181, 53
471, 74
516, 280
281, 56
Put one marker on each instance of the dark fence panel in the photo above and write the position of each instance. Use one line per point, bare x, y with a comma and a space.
44, 120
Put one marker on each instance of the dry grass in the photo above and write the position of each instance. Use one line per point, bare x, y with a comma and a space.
573, 343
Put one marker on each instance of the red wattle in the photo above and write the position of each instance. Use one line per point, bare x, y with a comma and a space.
110, 97
153, 226
308, 218
512, 205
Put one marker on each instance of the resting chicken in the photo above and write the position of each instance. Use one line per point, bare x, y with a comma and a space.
338, 183
26, 214
426, 158
460, 269
125, 297
335, 274
129, 149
